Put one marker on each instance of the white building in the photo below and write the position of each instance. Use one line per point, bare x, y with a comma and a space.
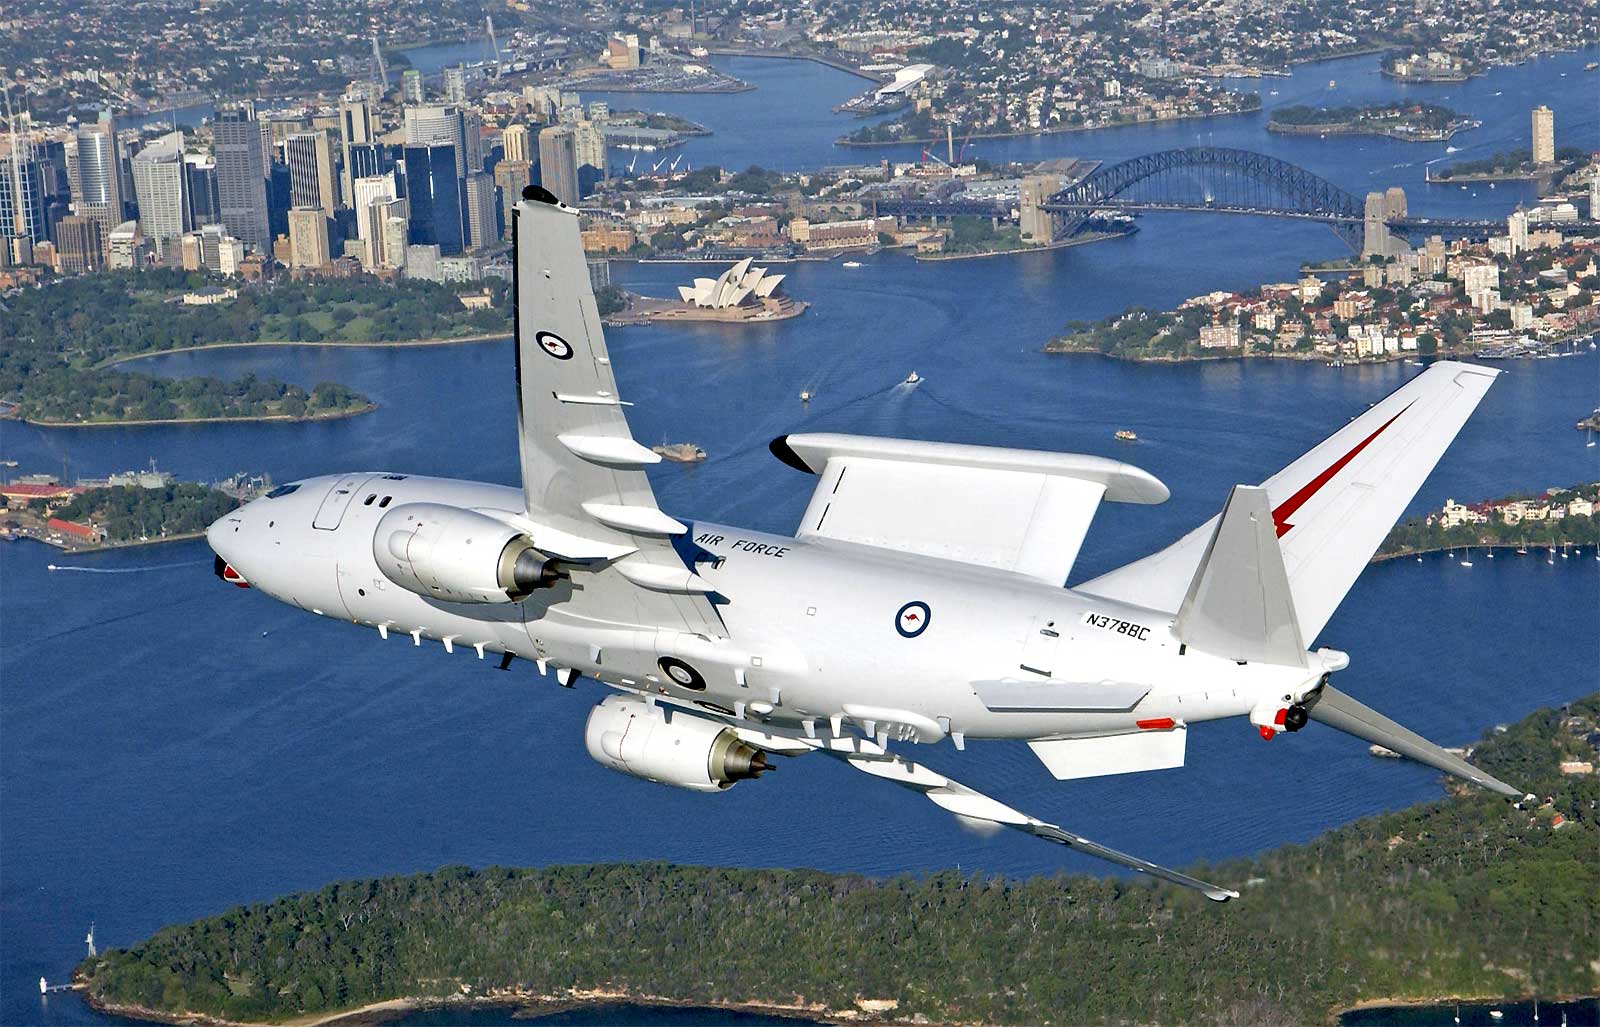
738, 285
161, 186
370, 194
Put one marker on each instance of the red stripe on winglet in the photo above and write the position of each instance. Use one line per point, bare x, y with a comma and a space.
1285, 510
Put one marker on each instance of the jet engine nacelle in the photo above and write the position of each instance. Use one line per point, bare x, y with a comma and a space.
459, 556
636, 738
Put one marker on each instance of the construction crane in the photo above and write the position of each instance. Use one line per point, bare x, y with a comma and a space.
631, 163
657, 165
383, 72
674, 166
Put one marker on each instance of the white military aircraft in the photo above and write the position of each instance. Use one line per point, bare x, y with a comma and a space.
920, 600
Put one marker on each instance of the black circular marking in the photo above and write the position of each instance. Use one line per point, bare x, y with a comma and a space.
912, 619
554, 345
681, 674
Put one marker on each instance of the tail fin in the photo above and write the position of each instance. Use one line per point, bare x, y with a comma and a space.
1331, 508
1239, 604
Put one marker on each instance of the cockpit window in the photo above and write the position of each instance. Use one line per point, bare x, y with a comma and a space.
282, 490
369, 499
385, 501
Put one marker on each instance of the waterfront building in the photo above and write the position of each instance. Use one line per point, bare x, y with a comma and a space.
311, 181
834, 235
1544, 135
438, 125
308, 238
558, 163
1223, 336
161, 186
483, 218
433, 192
370, 197
739, 285
607, 239
510, 178
242, 177
411, 91
97, 175
78, 246
519, 141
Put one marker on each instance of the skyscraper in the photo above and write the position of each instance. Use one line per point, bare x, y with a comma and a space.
161, 185
204, 207
455, 83
472, 140
1544, 135
370, 197
558, 163
438, 126
411, 87
511, 177
241, 178
483, 222
22, 205
433, 192
518, 141
98, 175
589, 146
369, 159
1517, 229
355, 129
308, 238
78, 245
310, 160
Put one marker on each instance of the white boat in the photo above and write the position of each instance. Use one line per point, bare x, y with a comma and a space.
912, 379
852, 264
805, 395
1495, 1014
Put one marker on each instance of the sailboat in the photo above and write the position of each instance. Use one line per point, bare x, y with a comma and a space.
1466, 561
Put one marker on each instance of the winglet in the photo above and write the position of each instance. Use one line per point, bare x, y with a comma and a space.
1239, 605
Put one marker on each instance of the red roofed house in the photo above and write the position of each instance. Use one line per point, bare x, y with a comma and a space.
22, 493
72, 529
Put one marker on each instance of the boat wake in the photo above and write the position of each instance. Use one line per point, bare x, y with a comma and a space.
126, 570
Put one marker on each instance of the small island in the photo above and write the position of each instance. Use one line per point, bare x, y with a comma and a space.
81, 519
1415, 122
1462, 897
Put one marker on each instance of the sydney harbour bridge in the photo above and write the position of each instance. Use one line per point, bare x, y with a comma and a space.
1212, 179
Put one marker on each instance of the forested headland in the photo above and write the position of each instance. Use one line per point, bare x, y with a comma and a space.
1466, 896
56, 340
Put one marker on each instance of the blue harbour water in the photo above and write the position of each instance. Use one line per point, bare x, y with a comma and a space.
170, 747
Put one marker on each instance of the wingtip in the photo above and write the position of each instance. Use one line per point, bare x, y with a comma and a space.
783, 451
539, 194
1220, 894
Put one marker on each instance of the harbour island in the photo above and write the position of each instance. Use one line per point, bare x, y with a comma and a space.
1410, 122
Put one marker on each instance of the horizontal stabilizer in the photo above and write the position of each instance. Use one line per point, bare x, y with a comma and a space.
1339, 711
1069, 759
1239, 605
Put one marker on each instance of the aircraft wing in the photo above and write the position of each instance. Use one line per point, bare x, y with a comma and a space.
583, 476
966, 803
1019, 510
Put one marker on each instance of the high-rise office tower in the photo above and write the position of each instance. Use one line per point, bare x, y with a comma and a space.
78, 245
161, 185
411, 92
438, 125
308, 238
355, 129
391, 229
1544, 135
280, 197
455, 84
558, 163
518, 142
242, 178
97, 175
1517, 229
589, 148
472, 140
311, 181
511, 177
369, 159
433, 195
22, 196
204, 208
368, 196
483, 220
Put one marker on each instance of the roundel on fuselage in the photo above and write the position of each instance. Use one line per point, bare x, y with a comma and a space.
554, 345
912, 620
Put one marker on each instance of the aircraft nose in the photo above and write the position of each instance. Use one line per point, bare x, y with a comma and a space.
222, 536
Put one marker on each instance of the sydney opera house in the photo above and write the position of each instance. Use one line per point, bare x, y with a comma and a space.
740, 285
